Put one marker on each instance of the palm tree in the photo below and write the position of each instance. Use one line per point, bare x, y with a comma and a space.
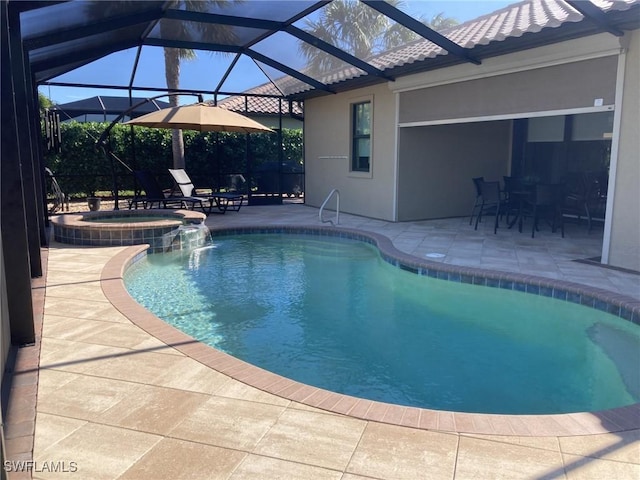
440, 22
174, 29
173, 56
172, 59
360, 31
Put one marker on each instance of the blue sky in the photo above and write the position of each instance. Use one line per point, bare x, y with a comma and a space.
205, 72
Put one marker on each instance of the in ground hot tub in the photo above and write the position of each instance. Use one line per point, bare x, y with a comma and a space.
163, 230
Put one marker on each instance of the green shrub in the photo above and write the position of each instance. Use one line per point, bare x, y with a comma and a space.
82, 169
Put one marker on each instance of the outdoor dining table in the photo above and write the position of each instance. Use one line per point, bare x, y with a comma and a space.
519, 198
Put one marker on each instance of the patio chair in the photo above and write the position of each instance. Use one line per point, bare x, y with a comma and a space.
477, 183
221, 201
586, 196
547, 203
491, 203
155, 195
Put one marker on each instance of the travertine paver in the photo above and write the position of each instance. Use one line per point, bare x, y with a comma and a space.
229, 423
388, 451
179, 459
498, 460
255, 467
97, 451
312, 438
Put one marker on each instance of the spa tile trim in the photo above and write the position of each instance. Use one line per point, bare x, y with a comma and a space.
75, 229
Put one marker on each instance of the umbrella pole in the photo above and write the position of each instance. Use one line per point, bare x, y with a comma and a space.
103, 140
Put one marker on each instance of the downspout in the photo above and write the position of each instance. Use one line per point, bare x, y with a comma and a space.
615, 144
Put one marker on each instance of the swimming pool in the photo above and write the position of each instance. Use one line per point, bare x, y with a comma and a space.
497, 352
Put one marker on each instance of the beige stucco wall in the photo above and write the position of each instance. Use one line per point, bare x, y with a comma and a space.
625, 221
542, 89
596, 46
437, 163
327, 153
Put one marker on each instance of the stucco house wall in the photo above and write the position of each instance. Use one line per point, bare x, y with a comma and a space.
535, 90
327, 153
624, 247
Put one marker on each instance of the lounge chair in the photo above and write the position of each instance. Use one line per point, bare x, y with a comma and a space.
155, 195
221, 201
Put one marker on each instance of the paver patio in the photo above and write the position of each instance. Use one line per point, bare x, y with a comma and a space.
122, 405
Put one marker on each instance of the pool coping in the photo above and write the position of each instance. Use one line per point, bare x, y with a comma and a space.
570, 424
79, 220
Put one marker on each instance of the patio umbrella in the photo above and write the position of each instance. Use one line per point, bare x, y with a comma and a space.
201, 117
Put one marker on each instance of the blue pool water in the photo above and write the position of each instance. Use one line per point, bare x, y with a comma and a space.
331, 313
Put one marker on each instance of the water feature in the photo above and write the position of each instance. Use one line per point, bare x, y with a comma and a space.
187, 238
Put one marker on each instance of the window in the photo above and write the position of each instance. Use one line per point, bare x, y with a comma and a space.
361, 137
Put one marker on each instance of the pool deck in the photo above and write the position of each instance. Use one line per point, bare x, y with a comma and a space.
121, 404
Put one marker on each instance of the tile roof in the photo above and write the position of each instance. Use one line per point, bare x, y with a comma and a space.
260, 105
529, 16
510, 22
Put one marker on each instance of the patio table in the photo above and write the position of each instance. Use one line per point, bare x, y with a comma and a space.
520, 197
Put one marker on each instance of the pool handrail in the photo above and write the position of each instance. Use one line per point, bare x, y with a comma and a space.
331, 193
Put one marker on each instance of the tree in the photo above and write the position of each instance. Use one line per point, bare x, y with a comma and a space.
174, 29
173, 56
44, 102
440, 22
359, 30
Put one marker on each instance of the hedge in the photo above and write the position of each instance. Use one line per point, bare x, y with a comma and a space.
82, 170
